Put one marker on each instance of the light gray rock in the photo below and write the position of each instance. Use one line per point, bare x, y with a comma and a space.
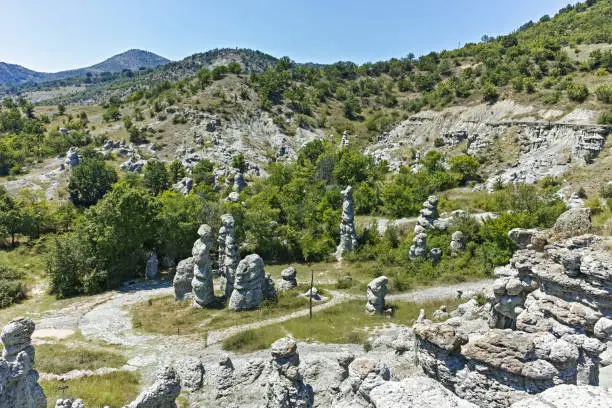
239, 183
421, 392
228, 252
419, 246
234, 197
163, 392
73, 158
269, 290
288, 279
521, 237
182, 278
203, 292
184, 186
571, 223
376, 292
457, 244
19, 386
285, 386
66, 403
191, 373
435, 254
152, 267
348, 236
249, 284
568, 396
365, 374
429, 213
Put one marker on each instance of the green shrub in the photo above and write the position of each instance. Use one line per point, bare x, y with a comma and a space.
604, 93
12, 288
577, 92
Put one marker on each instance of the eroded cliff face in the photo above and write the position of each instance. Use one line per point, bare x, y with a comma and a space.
550, 319
528, 144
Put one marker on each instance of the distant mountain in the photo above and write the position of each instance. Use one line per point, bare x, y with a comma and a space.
11, 74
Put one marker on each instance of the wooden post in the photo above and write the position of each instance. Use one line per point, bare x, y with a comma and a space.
311, 284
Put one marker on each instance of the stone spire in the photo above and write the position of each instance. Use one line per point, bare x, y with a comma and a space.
202, 283
348, 237
230, 253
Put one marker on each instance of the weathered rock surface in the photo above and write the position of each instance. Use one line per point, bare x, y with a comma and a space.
419, 246
152, 267
183, 277
457, 244
286, 388
288, 279
228, 252
18, 380
348, 236
249, 284
421, 392
184, 186
376, 292
429, 212
573, 222
202, 283
568, 396
162, 394
66, 403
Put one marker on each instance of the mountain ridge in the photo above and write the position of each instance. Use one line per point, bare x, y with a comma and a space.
133, 59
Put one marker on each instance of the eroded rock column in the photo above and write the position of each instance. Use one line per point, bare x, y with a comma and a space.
348, 237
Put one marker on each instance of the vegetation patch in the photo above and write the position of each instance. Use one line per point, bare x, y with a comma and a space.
115, 389
60, 358
164, 315
345, 323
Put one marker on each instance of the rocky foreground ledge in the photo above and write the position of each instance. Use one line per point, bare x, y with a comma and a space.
535, 339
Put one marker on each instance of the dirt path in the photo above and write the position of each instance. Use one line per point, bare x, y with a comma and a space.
105, 318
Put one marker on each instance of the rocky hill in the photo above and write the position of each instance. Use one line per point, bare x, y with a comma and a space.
133, 60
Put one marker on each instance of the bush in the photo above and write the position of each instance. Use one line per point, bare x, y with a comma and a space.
577, 92
604, 93
490, 93
12, 289
89, 181
605, 118
606, 191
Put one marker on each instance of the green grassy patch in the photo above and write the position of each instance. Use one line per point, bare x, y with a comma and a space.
341, 324
164, 315
114, 389
60, 359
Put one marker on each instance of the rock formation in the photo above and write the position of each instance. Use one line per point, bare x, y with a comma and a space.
269, 290
152, 267
228, 258
344, 142
18, 380
239, 183
576, 221
72, 157
457, 244
288, 279
568, 396
66, 403
376, 292
549, 321
286, 388
183, 277
348, 237
163, 392
429, 212
249, 284
202, 283
419, 246
184, 186
435, 255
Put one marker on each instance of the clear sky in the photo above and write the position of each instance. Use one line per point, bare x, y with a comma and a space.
54, 35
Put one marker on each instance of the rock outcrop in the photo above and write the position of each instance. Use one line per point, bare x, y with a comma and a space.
457, 244
152, 267
288, 279
573, 222
162, 394
549, 322
286, 388
249, 284
376, 292
18, 380
348, 236
73, 158
568, 396
184, 186
202, 282
228, 252
429, 212
419, 246
239, 183
182, 278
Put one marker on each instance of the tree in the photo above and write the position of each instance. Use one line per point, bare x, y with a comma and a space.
61, 109
112, 114
202, 172
352, 108
177, 171
577, 92
490, 93
234, 68
465, 167
156, 177
239, 163
89, 181
219, 72
11, 219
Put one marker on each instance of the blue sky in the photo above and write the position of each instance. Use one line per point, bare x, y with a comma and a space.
53, 35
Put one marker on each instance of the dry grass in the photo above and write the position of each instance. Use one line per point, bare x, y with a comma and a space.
60, 358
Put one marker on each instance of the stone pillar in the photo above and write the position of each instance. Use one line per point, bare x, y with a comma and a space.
377, 289
286, 388
348, 237
202, 283
230, 253
249, 285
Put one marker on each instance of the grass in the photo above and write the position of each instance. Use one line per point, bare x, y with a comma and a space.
341, 324
164, 315
115, 389
60, 359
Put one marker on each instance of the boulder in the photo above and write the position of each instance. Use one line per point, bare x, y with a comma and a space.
376, 291
288, 279
182, 278
457, 244
573, 222
163, 392
249, 284
568, 396
421, 392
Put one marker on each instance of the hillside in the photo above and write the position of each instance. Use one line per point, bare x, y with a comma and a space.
133, 60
